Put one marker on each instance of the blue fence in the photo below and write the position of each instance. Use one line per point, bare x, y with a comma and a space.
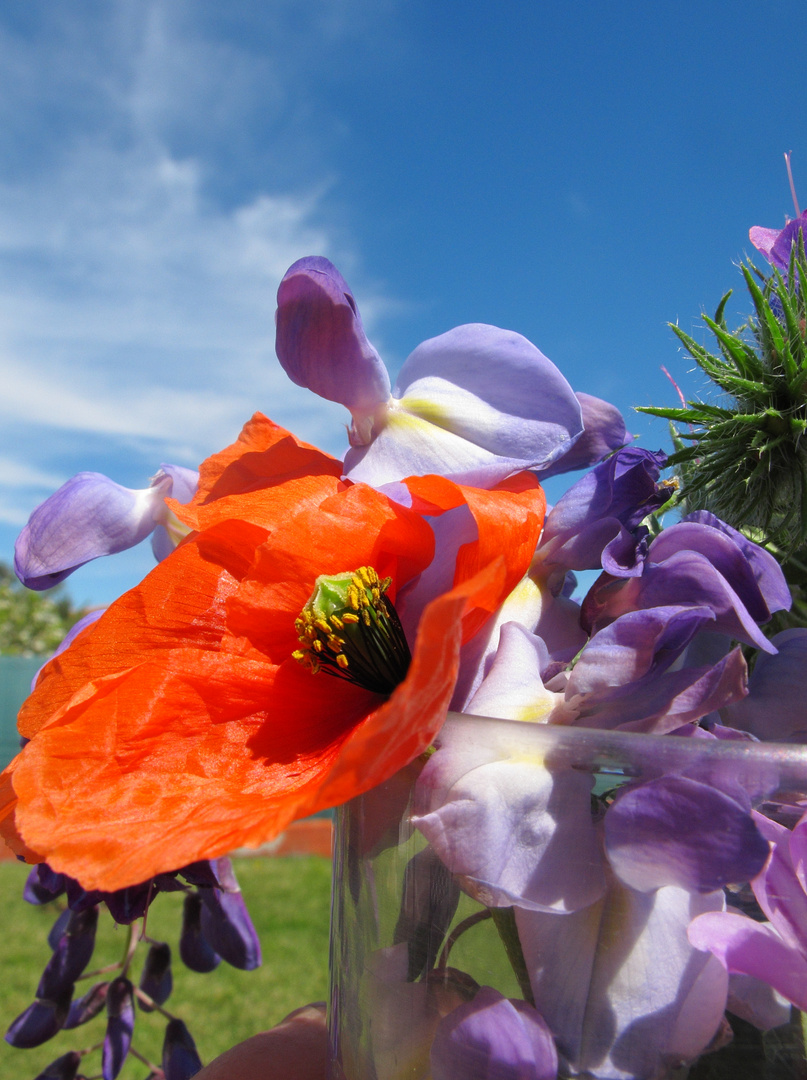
16, 673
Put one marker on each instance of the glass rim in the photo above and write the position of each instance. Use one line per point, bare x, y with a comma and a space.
637, 755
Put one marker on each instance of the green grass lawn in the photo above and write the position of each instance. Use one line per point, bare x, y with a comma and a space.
289, 901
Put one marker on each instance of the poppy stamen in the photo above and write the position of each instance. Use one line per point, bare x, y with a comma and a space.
350, 628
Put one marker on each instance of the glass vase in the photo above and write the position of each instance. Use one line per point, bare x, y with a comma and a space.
611, 976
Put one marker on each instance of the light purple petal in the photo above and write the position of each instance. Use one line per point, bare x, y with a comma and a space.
634, 644
516, 832
493, 1038
321, 341
756, 1002
781, 896
753, 948
766, 571
677, 831
660, 703
533, 605
87, 517
619, 984
603, 433
182, 485
476, 404
763, 239
618, 493
776, 705
513, 688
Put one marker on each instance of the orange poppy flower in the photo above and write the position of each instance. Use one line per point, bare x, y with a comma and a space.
180, 726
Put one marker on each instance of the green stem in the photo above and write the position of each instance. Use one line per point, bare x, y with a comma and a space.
505, 922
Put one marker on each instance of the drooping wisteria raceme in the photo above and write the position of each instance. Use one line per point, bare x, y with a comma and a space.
305, 638
215, 926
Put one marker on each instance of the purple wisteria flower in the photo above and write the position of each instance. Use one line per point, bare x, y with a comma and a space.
493, 1038
701, 561
776, 705
602, 511
774, 952
477, 403
91, 515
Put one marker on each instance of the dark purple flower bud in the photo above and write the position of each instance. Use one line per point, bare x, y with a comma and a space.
40, 1022
156, 979
429, 901
126, 905
43, 885
58, 929
194, 949
87, 1007
71, 955
119, 1027
226, 925
492, 1038
202, 872
78, 899
63, 1068
180, 1058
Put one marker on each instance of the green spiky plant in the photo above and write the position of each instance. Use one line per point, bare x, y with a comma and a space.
745, 459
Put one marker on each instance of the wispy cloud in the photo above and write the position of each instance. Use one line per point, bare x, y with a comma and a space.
137, 280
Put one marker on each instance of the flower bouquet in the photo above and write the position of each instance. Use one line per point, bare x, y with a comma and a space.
572, 837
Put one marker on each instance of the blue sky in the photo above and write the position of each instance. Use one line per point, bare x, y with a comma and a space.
582, 176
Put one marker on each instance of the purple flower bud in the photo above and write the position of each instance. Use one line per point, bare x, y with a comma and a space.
78, 899
71, 955
119, 1027
43, 885
87, 1007
180, 1058
429, 901
205, 872
492, 1038
227, 927
194, 949
63, 1068
131, 903
39, 1022
156, 979
58, 929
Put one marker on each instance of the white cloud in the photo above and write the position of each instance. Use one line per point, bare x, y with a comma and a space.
137, 303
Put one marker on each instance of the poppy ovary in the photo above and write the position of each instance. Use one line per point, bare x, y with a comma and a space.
349, 628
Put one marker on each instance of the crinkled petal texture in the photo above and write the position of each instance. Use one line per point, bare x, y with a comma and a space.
477, 404
179, 727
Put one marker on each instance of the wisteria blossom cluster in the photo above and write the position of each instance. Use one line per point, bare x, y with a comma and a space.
215, 926
310, 625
